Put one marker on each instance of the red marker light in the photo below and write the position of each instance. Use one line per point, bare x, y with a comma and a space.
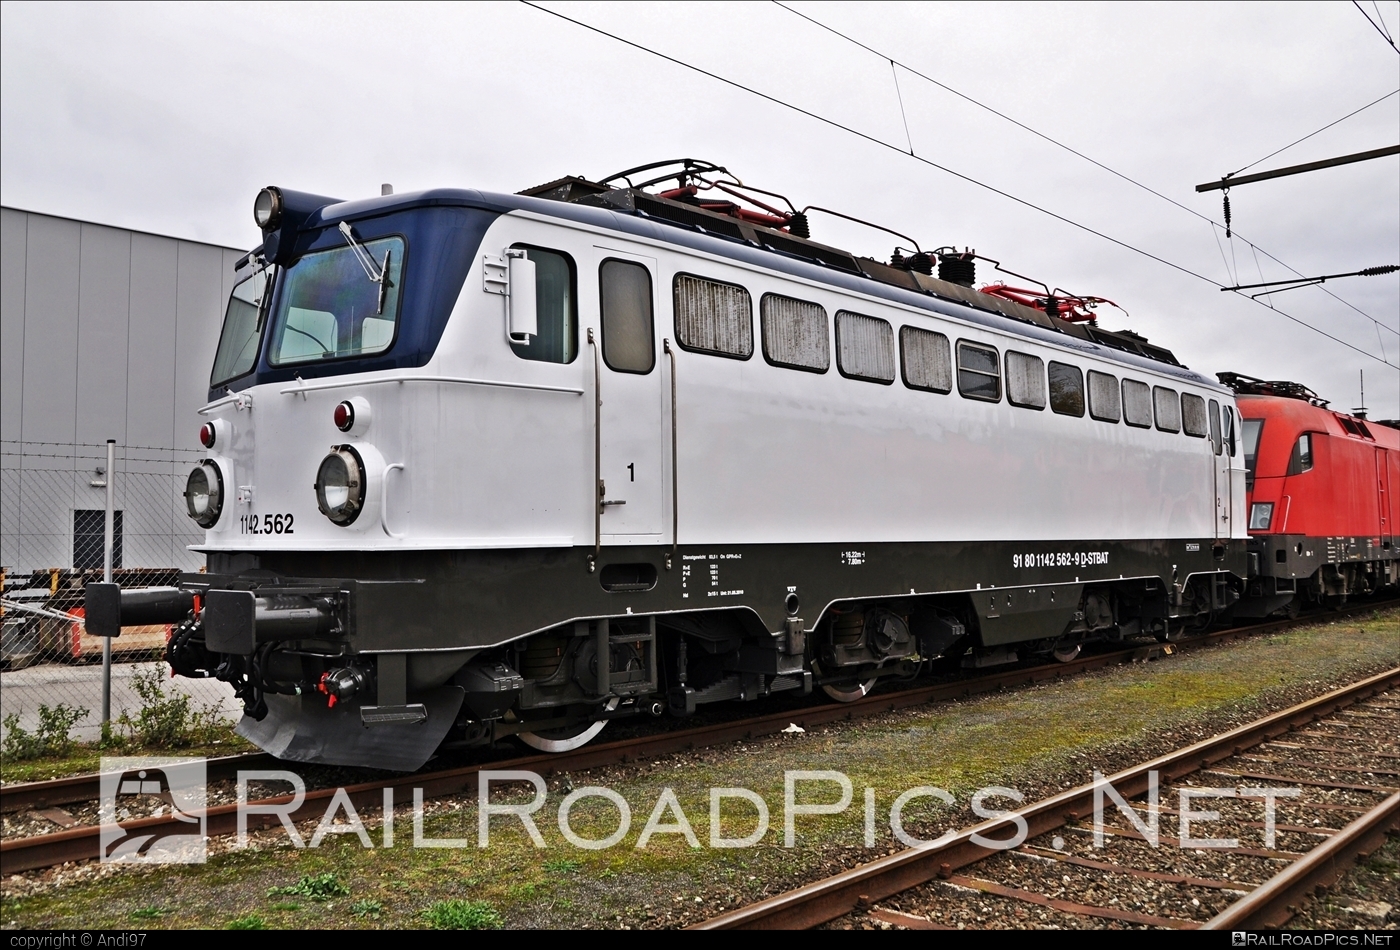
345, 416
206, 435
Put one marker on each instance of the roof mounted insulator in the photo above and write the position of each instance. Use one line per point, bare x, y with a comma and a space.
957, 269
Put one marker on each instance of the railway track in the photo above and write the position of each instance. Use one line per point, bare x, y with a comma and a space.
1339, 751
80, 841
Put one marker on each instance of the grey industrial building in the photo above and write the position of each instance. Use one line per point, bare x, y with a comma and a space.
105, 333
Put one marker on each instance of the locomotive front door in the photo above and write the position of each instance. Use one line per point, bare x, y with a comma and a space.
632, 488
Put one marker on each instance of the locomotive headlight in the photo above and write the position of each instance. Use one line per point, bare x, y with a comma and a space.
267, 208
340, 485
1260, 514
204, 493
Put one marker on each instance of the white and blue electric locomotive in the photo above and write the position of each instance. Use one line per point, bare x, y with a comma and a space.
487, 465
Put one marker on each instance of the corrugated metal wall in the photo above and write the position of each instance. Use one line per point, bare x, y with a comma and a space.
105, 333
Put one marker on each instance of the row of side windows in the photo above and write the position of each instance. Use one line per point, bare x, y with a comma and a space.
716, 318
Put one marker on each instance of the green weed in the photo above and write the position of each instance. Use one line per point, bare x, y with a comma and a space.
248, 922
167, 720
367, 908
146, 913
463, 915
562, 866
316, 887
53, 738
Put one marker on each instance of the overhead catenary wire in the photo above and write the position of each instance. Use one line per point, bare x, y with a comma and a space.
1375, 5
1329, 125
1383, 33
1229, 233
932, 164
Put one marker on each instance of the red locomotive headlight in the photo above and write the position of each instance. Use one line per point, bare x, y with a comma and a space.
345, 416
207, 435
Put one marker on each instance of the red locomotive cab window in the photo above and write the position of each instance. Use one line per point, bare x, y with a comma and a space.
1253, 429
1302, 458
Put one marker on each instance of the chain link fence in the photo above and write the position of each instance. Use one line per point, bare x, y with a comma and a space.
52, 518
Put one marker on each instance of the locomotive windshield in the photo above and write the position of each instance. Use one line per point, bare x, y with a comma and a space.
1252, 429
332, 307
243, 323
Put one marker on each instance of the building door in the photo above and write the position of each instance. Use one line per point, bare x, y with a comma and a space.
90, 538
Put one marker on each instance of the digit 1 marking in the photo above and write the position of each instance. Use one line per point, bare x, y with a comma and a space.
632, 470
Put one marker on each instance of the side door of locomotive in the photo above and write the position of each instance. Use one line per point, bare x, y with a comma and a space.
1221, 445
626, 350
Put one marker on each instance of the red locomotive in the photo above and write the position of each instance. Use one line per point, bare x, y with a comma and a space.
1321, 488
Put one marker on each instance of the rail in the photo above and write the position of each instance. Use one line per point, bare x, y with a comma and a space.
836, 896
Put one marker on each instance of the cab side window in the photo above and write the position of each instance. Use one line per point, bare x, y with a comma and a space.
1302, 458
556, 303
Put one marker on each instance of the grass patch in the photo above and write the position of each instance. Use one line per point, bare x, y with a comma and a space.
146, 913
87, 757
463, 915
247, 922
164, 722
562, 866
316, 887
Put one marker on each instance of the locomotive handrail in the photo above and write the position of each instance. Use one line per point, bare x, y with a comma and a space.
343, 383
384, 500
217, 403
675, 496
597, 454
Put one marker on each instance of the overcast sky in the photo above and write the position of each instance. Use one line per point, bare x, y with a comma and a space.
169, 118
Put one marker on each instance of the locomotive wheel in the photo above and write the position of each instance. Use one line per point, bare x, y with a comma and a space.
848, 694
1065, 652
565, 738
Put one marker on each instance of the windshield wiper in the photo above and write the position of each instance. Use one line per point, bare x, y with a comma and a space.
376, 272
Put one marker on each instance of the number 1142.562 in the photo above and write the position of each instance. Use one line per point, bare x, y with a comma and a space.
267, 524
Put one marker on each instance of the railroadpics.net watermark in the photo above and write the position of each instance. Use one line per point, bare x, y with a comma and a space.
127, 833
130, 833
